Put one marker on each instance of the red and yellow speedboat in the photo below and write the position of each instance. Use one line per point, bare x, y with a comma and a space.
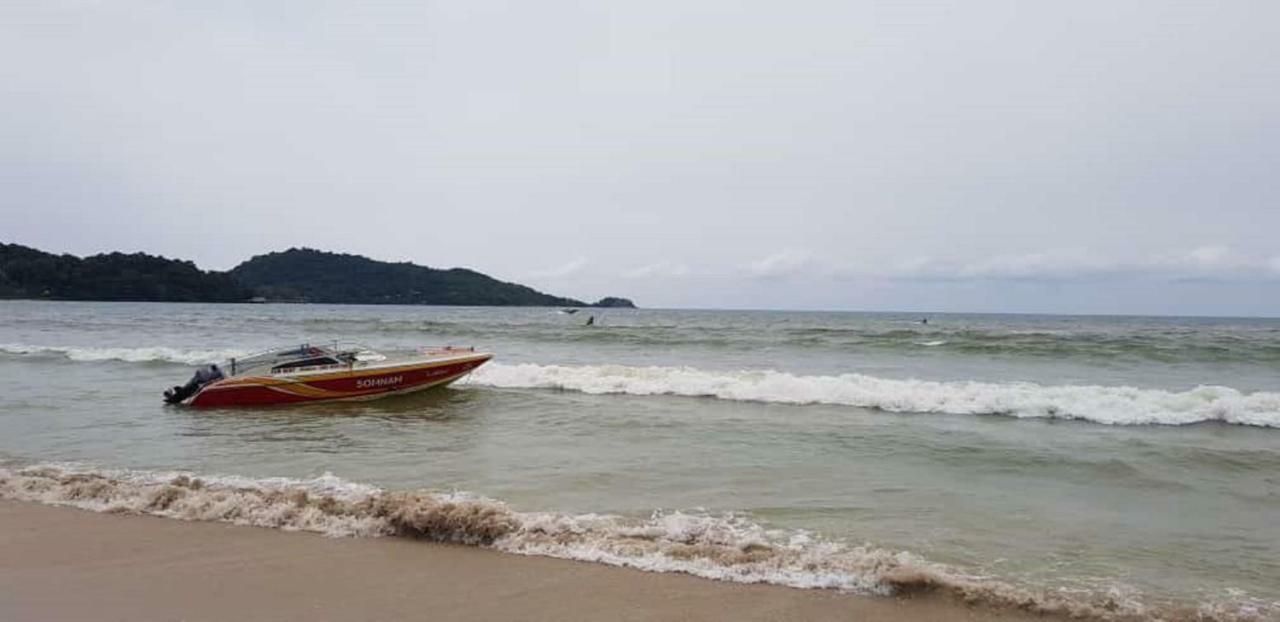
324, 373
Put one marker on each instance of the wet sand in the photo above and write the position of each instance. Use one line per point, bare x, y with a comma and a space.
67, 564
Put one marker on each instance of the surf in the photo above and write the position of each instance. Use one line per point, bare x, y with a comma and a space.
1110, 405
725, 547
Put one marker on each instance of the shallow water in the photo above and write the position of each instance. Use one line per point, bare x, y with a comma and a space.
1130, 458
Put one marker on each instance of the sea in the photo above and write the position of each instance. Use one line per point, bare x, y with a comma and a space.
1106, 467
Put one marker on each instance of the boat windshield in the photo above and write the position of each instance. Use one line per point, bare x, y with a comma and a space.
299, 356
321, 361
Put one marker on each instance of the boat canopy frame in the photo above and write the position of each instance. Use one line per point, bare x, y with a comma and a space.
294, 357
309, 357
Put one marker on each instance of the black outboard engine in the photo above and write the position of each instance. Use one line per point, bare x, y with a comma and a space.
203, 376
177, 394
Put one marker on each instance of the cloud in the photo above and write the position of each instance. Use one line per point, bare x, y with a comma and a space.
1212, 256
1064, 264
1206, 263
564, 270
780, 264
1210, 263
1051, 265
658, 269
1209, 258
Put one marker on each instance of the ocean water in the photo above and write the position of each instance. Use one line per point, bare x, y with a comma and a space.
1107, 466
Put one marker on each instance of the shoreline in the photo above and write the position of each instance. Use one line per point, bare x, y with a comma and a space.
70, 564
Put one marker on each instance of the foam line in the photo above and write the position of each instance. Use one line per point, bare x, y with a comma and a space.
1100, 404
722, 547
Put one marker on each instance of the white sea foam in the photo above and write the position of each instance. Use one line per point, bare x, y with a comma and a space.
1112, 405
722, 547
195, 356
1101, 404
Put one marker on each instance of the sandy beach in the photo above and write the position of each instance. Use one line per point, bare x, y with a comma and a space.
67, 564
859, 310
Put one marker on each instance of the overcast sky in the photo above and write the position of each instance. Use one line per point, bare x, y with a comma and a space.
1084, 156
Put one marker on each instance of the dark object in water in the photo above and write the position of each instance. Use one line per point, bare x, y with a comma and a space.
591, 320
569, 311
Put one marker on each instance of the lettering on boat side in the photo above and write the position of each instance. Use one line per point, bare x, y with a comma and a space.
369, 383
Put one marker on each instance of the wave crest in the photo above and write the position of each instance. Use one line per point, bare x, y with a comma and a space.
728, 547
1112, 405
160, 354
1099, 404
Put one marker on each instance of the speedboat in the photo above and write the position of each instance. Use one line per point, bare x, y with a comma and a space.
337, 371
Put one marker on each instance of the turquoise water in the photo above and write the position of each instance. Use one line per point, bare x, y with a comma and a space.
1137, 457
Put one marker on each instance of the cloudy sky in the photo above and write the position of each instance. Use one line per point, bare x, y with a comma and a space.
1089, 156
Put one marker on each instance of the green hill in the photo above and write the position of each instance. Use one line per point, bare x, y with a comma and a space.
29, 273
318, 276
295, 275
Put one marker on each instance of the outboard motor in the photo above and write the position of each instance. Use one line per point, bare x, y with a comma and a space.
203, 376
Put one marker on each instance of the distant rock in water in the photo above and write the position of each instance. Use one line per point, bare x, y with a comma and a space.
614, 302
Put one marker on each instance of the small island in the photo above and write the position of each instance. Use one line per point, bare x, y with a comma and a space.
294, 275
613, 302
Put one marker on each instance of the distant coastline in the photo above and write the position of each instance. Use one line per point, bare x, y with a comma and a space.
297, 275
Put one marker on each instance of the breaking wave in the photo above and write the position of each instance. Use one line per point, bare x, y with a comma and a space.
1099, 404
1111, 405
722, 547
132, 355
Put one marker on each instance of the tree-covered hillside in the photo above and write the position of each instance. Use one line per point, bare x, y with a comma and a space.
318, 276
29, 273
295, 275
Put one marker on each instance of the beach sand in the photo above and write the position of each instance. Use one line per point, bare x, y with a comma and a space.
68, 564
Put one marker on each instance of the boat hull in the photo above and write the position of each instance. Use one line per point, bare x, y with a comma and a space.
347, 384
